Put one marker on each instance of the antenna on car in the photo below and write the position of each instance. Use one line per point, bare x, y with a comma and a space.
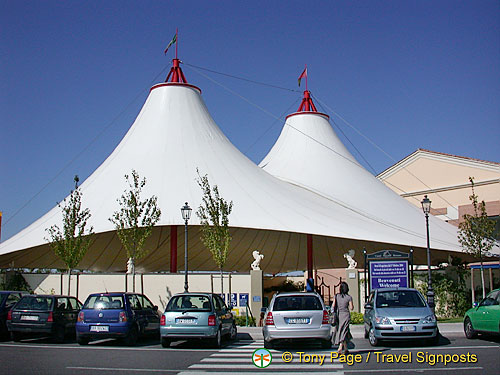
106, 289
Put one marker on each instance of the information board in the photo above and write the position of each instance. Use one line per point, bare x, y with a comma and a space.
388, 274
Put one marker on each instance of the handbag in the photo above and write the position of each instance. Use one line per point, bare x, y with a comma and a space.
335, 313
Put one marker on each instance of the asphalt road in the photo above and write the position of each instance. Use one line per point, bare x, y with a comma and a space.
40, 356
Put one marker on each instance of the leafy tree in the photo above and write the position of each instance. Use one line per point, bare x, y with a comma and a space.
214, 217
73, 241
475, 232
135, 220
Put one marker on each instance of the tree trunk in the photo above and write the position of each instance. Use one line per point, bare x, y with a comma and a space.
482, 279
69, 281
133, 275
222, 283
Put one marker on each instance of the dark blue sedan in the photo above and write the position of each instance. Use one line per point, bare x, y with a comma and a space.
119, 315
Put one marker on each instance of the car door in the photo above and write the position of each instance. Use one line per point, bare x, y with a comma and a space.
139, 313
225, 316
485, 313
151, 314
74, 307
62, 311
219, 305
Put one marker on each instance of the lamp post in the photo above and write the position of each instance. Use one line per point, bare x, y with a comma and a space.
426, 207
186, 214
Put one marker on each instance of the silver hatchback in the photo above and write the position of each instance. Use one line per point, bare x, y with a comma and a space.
399, 314
297, 315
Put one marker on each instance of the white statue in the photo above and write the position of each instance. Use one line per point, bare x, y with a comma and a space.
130, 266
256, 263
350, 259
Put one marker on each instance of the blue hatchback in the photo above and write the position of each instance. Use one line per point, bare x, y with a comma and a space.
120, 315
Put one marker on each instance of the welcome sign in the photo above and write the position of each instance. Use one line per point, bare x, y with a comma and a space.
388, 274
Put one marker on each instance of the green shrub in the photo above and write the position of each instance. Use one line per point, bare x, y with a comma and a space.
241, 320
356, 318
16, 281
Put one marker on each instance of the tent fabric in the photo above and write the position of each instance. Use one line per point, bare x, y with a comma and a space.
173, 137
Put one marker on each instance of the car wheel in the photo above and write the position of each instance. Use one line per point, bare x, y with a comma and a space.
326, 344
16, 336
165, 342
217, 340
268, 344
470, 333
132, 336
371, 337
58, 335
82, 340
233, 332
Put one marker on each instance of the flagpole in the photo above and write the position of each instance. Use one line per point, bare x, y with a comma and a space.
306, 77
177, 41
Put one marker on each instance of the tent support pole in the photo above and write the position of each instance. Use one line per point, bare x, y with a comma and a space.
173, 249
309, 256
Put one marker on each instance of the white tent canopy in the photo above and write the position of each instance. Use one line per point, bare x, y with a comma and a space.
334, 199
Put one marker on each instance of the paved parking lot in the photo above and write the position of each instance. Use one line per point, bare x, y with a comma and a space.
110, 357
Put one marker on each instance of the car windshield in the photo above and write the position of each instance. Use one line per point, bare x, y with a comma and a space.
104, 302
2, 297
400, 298
293, 303
189, 303
35, 303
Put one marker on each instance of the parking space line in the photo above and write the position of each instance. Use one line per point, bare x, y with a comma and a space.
416, 369
119, 369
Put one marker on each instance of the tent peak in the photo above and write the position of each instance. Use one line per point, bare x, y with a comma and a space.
307, 106
176, 74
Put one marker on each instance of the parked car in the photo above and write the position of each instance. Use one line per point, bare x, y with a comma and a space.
7, 300
43, 315
125, 316
484, 317
399, 314
297, 315
197, 316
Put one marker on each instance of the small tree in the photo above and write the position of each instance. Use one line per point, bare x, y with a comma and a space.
135, 220
72, 242
476, 231
214, 217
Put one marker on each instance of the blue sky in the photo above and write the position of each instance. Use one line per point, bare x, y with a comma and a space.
74, 75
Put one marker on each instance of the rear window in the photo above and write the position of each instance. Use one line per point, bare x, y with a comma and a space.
293, 303
104, 302
35, 303
189, 303
400, 298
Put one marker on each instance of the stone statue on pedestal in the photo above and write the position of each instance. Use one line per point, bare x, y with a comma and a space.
256, 263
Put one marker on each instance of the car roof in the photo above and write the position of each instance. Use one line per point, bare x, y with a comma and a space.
48, 295
393, 289
194, 294
298, 293
113, 294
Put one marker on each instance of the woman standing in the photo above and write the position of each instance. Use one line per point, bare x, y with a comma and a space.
343, 302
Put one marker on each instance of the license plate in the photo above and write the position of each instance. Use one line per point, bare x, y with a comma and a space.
298, 320
185, 321
408, 328
99, 329
29, 317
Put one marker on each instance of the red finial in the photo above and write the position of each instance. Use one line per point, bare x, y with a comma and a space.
176, 72
307, 104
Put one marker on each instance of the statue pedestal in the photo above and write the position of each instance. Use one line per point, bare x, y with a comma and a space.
256, 293
352, 280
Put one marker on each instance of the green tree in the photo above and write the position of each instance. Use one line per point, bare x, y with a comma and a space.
135, 220
475, 232
72, 242
214, 217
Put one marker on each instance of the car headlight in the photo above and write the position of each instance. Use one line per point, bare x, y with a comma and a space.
429, 319
382, 320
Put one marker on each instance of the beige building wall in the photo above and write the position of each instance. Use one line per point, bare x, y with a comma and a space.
444, 179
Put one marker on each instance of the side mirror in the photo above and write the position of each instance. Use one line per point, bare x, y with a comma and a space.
368, 306
155, 308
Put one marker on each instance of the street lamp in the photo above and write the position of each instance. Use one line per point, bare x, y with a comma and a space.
186, 214
426, 207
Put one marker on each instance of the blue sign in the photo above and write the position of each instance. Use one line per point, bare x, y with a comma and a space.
233, 299
243, 299
388, 274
